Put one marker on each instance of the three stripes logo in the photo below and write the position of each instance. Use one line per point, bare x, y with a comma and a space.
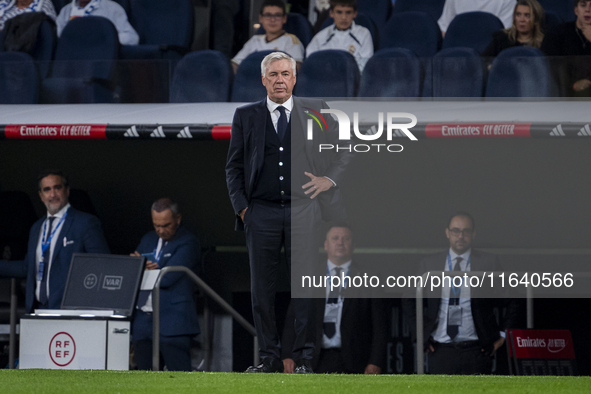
158, 133
585, 131
185, 133
131, 132
557, 132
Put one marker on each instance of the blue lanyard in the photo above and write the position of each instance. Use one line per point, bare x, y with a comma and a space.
157, 255
453, 288
46, 244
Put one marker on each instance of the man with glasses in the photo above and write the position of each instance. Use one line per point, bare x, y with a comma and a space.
272, 17
461, 334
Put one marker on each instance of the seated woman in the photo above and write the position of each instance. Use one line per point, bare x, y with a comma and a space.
11, 8
526, 29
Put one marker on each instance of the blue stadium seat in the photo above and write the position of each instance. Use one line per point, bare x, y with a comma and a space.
378, 10
361, 20
431, 7
297, 25
565, 9
165, 29
472, 30
519, 72
329, 73
391, 72
416, 31
551, 22
202, 77
45, 48
19, 81
84, 64
458, 72
247, 85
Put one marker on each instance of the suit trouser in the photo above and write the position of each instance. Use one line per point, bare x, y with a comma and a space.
268, 227
459, 359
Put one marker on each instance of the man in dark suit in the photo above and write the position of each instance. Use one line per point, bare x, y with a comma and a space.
278, 183
460, 331
52, 241
171, 245
351, 332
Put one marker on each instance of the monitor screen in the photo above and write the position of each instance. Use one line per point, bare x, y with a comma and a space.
104, 282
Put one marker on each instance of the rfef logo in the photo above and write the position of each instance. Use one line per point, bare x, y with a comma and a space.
62, 349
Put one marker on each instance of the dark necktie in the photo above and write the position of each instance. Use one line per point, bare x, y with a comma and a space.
281, 122
454, 299
46, 254
333, 298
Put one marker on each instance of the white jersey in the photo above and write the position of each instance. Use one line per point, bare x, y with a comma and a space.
356, 40
286, 42
502, 9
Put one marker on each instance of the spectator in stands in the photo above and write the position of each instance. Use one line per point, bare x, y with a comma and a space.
526, 29
344, 34
272, 17
460, 331
502, 9
52, 241
105, 8
573, 39
170, 245
351, 332
11, 8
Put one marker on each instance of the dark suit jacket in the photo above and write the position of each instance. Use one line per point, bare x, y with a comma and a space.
83, 234
363, 332
486, 326
247, 152
178, 314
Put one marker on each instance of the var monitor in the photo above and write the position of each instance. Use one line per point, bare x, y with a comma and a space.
103, 282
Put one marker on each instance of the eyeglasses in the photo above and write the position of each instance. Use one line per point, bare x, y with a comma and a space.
272, 16
457, 232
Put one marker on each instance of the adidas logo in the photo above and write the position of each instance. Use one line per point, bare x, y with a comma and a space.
585, 131
557, 132
131, 132
158, 133
184, 133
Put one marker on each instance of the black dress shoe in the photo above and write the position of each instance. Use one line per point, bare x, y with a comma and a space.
269, 365
303, 366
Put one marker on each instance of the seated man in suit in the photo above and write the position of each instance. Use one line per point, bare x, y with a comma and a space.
171, 245
460, 332
52, 241
351, 332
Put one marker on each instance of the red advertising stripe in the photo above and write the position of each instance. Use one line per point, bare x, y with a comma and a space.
221, 132
543, 344
56, 131
477, 130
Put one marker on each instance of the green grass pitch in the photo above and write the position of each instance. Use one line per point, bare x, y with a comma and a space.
48, 381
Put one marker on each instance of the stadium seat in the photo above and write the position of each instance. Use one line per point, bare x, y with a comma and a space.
472, 30
565, 9
378, 10
519, 72
84, 64
361, 20
551, 22
431, 7
329, 73
416, 31
17, 215
391, 72
201, 77
297, 25
165, 29
19, 81
247, 85
458, 72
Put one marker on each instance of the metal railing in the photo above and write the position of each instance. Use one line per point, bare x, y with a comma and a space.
209, 292
419, 313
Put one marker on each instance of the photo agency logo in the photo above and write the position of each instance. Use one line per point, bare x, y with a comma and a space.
373, 133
